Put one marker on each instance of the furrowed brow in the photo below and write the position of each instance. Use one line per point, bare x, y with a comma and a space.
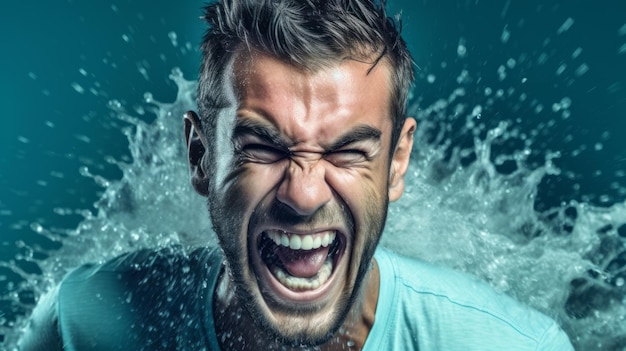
261, 131
358, 134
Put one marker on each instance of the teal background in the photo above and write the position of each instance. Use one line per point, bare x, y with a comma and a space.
44, 48
49, 130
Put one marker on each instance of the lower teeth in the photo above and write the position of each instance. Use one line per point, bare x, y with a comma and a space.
298, 283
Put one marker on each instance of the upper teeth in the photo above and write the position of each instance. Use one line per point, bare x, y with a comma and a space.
301, 242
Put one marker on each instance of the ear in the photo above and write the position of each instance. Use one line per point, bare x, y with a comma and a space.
196, 149
400, 160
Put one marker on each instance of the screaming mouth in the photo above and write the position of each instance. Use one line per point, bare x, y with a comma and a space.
300, 262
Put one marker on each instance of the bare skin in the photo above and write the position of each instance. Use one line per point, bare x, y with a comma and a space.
302, 154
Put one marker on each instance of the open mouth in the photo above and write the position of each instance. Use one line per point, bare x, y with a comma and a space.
300, 262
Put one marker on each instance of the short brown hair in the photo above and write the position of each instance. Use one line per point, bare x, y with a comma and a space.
309, 34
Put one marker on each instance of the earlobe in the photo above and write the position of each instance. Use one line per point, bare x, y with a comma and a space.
196, 149
400, 160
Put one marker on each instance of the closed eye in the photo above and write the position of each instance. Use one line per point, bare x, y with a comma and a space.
262, 153
347, 157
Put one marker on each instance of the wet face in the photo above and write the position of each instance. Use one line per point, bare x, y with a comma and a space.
300, 187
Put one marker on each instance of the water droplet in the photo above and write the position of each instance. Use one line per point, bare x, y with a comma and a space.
84, 171
582, 69
147, 97
501, 72
566, 114
566, 102
173, 38
463, 77
511, 62
83, 138
542, 58
461, 50
566, 25
477, 111
144, 72
36, 227
79, 89
505, 35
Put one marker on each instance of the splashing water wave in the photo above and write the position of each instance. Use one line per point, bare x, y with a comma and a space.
468, 205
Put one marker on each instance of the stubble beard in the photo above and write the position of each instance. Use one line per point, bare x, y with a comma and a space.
291, 332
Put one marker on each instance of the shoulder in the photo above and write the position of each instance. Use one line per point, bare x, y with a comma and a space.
141, 271
125, 298
452, 305
158, 262
42, 331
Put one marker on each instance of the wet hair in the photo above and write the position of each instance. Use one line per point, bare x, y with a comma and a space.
309, 34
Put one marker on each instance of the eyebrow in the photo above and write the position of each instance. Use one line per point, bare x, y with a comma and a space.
270, 135
360, 133
261, 131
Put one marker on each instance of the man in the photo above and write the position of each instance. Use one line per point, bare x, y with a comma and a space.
299, 145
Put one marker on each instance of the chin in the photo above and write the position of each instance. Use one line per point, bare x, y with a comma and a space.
294, 310
298, 330
305, 316
298, 278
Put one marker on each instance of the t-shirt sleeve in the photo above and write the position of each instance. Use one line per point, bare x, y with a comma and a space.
42, 331
555, 339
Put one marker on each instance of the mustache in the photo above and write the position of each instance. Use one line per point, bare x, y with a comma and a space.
278, 212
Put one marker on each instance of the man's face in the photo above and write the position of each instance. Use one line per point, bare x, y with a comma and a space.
300, 189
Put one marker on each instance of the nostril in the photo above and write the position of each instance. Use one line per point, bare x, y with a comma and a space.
304, 190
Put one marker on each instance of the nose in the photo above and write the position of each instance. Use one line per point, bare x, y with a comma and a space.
304, 188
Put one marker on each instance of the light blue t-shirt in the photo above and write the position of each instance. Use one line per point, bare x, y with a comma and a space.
428, 308
162, 300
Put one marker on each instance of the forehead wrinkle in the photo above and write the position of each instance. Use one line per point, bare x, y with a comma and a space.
259, 90
303, 106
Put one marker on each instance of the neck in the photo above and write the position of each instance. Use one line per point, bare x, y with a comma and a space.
236, 329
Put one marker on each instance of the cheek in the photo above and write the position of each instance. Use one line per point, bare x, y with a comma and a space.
248, 185
365, 194
359, 186
221, 148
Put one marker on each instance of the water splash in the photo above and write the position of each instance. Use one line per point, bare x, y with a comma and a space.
143, 209
470, 203
473, 205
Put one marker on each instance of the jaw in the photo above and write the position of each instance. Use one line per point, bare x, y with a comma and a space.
307, 314
297, 317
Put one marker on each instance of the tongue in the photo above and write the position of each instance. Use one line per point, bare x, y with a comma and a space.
302, 263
